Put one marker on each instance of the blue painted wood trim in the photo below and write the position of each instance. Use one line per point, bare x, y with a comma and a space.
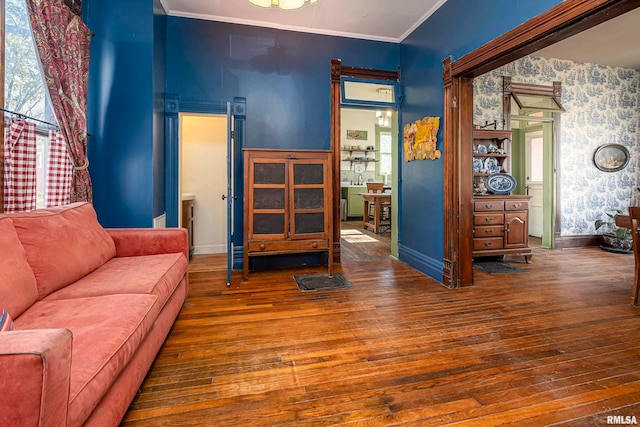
429, 266
171, 167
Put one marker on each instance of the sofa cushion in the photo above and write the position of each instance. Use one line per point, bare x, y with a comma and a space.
76, 244
17, 282
107, 331
158, 275
6, 324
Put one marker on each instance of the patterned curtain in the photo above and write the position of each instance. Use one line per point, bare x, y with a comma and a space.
62, 40
59, 171
20, 167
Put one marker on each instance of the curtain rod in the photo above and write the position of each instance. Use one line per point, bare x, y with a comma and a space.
24, 116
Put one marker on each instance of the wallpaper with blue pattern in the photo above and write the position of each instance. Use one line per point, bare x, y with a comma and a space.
602, 107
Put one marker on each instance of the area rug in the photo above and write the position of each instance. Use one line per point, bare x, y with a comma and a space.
497, 267
321, 282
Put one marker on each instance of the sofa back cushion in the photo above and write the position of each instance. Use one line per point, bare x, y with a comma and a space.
63, 244
17, 283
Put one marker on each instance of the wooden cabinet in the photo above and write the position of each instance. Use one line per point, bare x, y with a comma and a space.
187, 222
287, 203
500, 221
354, 201
491, 150
500, 226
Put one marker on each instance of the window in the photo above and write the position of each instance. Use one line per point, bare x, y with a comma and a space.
386, 142
24, 89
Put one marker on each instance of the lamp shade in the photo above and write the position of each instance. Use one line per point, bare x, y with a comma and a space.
290, 4
261, 3
282, 4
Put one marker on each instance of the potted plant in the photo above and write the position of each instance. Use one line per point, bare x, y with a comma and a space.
615, 238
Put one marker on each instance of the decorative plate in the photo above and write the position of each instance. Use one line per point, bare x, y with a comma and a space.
491, 165
477, 164
500, 183
482, 149
493, 148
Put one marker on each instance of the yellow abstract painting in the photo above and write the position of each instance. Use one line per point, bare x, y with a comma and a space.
420, 139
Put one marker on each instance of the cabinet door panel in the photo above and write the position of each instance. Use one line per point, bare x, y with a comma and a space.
268, 223
269, 173
516, 230
268, 198
308, 223
308, 174
308, 198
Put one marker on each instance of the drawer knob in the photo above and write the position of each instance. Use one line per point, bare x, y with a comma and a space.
517, 205
489, 219
488, 205
489, 231
261, 246
487, 244
314, 245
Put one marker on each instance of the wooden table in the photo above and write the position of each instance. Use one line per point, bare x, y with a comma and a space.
376, 199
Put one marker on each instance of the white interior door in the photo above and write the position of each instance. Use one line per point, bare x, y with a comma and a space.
203, 172
534, 183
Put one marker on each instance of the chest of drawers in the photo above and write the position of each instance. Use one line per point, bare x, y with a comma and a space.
500, 226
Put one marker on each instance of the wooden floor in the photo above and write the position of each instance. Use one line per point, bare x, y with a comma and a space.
556, 345
357, 244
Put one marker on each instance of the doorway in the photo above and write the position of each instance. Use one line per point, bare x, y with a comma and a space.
535, 171
203, 179
534, 180
560, 22
368, 153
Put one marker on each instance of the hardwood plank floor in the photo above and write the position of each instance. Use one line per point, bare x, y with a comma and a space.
556, 345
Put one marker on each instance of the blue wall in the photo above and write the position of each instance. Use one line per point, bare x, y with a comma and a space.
120, 111
457, 28
285, 79
284, 75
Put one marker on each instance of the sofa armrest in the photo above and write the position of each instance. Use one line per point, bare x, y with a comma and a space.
149, 241
35, 368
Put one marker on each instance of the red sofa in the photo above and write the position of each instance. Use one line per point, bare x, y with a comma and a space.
91, 307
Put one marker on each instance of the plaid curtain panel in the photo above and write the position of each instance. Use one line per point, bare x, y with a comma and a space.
59, 171
20, 167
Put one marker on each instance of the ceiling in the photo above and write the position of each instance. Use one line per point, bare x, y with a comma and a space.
380, 20
615, 42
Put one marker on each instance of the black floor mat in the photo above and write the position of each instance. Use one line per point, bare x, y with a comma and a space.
496, 267
321, 282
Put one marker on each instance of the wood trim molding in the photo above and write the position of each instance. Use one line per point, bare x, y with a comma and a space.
336, 68
337, 71
369, 73
567, 242
563, 20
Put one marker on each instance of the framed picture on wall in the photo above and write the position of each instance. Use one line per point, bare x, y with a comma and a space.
611, 157
360, 135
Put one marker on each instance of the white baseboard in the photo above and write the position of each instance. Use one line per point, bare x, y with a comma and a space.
161, 221
209, 249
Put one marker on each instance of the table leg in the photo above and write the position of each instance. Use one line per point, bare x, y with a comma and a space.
376, 217
365, 214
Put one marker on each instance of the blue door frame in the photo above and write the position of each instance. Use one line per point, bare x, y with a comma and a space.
235, 109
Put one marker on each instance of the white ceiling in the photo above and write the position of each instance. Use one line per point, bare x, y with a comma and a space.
381, 20
615, 42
